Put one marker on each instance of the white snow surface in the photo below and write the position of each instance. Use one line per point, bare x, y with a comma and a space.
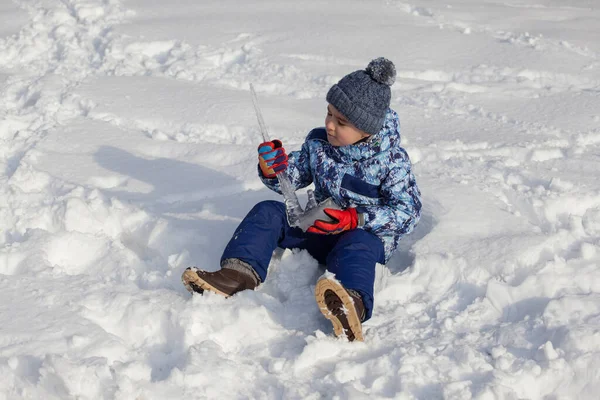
128, 152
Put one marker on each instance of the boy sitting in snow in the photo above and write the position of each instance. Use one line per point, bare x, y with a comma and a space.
356, 159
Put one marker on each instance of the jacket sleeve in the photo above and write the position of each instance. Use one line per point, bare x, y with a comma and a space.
298, 170
401, 203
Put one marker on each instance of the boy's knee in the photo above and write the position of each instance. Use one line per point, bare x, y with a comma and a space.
357, 237
269, 207
358, 245
360, 235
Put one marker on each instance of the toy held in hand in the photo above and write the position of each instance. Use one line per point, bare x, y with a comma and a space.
272, 158
342, 220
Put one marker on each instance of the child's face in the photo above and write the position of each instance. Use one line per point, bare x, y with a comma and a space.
340, 132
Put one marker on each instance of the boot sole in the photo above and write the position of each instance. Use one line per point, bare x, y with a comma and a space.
337, 306
194, 284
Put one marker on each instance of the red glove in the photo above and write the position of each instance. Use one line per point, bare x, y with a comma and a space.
272, 158
343, 220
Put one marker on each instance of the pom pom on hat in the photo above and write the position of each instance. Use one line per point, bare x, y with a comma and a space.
382, 70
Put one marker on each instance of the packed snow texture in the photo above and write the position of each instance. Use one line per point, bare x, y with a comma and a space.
129, 153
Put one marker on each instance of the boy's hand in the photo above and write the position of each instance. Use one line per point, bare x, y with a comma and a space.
343, 220
272, 158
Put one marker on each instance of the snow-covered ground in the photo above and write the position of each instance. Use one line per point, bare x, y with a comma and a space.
128, 152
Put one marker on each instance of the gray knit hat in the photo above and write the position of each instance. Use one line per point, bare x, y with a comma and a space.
364, 96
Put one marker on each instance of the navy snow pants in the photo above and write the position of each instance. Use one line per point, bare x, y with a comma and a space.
351, 255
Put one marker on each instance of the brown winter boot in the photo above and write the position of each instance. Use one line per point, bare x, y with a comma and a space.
225, 281
345, 309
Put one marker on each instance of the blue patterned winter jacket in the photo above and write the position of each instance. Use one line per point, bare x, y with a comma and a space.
374, 176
